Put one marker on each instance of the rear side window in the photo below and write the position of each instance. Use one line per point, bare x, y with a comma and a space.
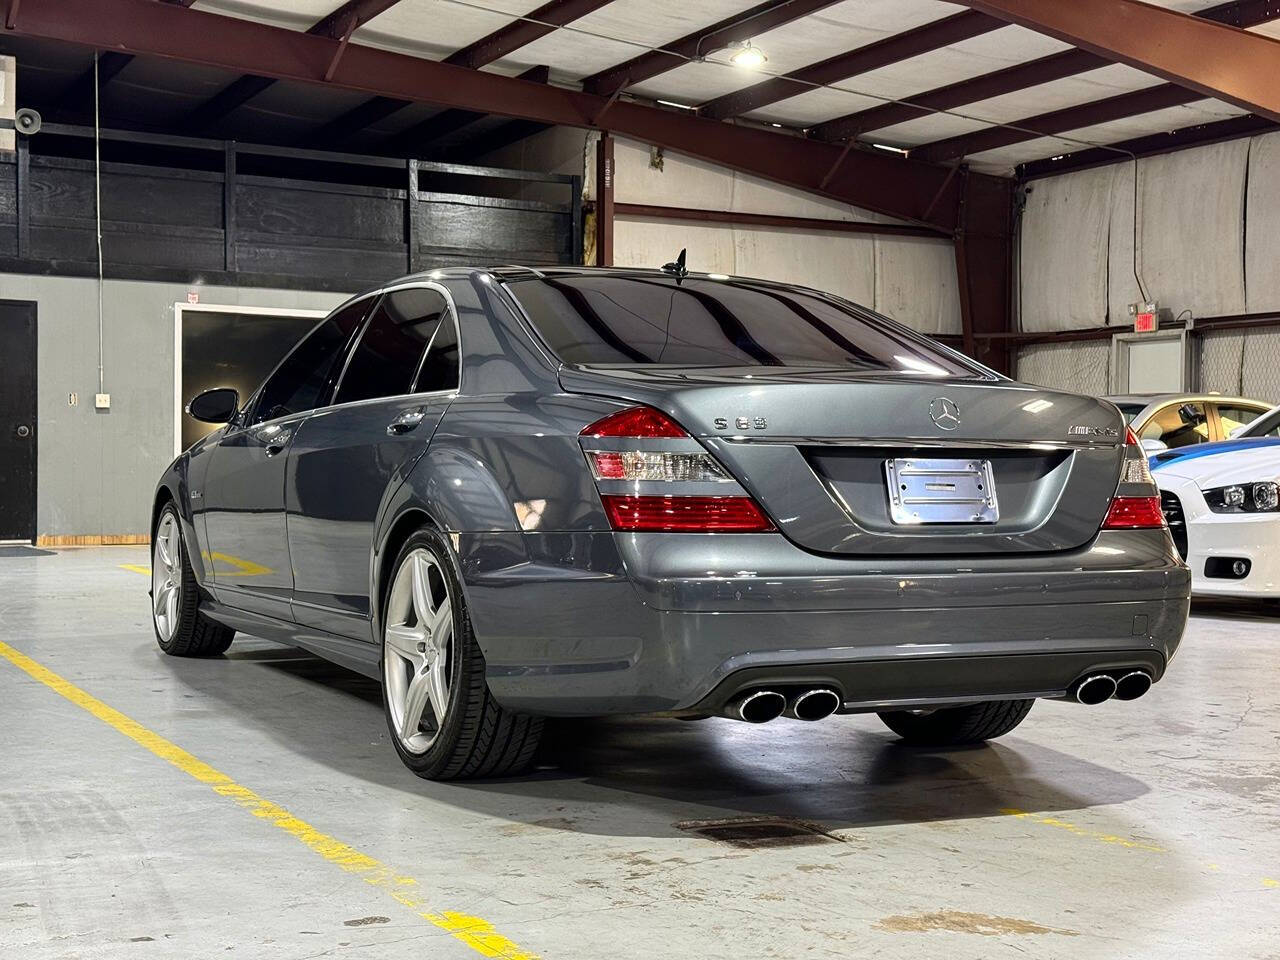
391, 351
1233, 418
305, 378
627, 320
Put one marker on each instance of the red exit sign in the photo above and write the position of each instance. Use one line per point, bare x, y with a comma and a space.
1144, 322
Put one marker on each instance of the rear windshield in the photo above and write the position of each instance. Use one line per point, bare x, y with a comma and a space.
628, 320
1131, 410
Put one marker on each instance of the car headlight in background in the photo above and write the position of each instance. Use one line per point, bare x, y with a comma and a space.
1260, 497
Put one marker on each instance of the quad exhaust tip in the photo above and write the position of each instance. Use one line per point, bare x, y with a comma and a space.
758, 706
1131, 686
1096, 689
816, 704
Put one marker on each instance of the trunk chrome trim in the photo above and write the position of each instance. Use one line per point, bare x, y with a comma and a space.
882, 442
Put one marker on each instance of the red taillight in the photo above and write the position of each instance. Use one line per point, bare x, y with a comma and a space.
635, 422
1130, 437
1134, 513
685, 514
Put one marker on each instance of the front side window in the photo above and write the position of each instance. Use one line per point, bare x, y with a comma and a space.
617, 319
305, 378
1178, 425
391, 351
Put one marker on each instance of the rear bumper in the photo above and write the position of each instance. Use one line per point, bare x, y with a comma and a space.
600, 623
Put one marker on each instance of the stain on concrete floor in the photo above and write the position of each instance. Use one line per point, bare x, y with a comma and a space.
959, 921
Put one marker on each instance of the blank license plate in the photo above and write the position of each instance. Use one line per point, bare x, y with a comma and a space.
941, 491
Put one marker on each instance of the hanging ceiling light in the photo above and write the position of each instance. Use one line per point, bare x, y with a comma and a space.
748, 55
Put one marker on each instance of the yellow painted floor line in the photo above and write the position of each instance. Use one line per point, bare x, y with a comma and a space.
476, 932
1101, 837
136, 568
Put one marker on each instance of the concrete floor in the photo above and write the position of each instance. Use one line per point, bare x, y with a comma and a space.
1149, 829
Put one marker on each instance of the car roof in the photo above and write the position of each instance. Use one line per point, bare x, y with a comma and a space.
1150, 399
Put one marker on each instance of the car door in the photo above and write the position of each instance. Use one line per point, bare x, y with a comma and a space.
242, 503
348, 458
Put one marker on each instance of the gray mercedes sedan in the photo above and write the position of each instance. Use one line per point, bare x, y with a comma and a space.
511, 494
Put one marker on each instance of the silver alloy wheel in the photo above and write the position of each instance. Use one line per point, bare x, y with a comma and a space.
166, 576
417, 650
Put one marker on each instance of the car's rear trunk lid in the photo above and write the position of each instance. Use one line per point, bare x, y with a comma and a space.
813, 447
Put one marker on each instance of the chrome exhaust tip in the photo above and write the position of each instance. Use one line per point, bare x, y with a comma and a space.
1095, 689
816, 704
1131, 686
756, 706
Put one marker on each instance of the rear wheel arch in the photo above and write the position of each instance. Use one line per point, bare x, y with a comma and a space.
410, 520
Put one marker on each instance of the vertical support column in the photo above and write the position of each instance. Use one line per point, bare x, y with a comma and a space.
23, 188
575, 218
410, 221
604, 200
229, 207
984, 267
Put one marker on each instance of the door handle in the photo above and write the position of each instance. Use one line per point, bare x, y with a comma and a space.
23, 431
407, 421
273, 439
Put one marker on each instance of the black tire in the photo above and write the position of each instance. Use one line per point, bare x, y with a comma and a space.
479, 737
195, 634
958, 725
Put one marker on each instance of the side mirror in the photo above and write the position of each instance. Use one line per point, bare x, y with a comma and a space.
215, 406
1152, 445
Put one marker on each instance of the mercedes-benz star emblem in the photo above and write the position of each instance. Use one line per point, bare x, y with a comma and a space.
944, 412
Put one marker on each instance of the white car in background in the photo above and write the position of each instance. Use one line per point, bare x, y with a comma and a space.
1222, 502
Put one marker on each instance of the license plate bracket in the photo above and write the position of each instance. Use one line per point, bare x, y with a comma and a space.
924, 490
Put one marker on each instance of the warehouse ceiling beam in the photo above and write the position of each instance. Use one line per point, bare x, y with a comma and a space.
900, 46
420, 138
337, 26
1214, 59
516, 34
495, 46
1068, 63
1197, 135
78, 96
874, 180
694, 46
1132, 104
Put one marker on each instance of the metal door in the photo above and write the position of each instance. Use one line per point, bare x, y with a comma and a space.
17, 420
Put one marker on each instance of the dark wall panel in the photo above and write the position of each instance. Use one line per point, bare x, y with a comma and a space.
8, 207
169, 223
458, 229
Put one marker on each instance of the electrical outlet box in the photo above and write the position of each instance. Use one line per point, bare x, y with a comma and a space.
102, 401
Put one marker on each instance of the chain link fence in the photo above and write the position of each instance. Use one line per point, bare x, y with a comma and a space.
1080, 366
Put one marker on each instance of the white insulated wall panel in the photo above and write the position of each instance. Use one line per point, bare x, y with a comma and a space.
1071, 216
1262, 214
1191, 228
1203, 245
916, 283
843, 264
